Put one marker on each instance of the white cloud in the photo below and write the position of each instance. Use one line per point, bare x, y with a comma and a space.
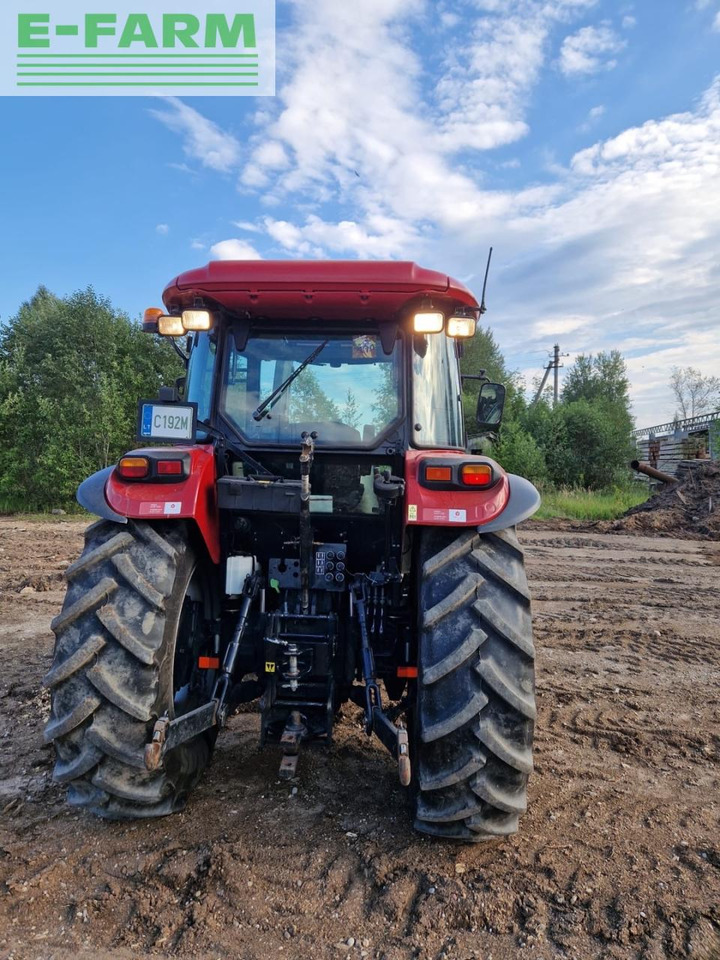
628, 22
234, 249
589, 50
203, 140
247, 225
557, 326
163, 229
593, 116
380, 237
197, 245
716, 22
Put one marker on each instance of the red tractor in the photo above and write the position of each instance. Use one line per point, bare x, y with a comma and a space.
308, 528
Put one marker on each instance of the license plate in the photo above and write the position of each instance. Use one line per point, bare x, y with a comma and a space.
174, 422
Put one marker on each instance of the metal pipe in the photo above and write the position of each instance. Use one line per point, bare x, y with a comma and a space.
649, 471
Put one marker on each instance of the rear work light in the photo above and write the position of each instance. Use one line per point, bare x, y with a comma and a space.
197, 320
428, 322
133, 468
461, 327
170, 326
476, 474
177, 325
170, 468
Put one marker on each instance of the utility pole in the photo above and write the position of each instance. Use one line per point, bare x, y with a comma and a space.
555, 365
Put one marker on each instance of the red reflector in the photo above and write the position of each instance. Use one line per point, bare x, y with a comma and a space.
476, 474
170, 468
441, 474
209, 663
407, 672
133, 468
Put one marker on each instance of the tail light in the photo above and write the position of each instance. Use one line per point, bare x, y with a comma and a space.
438, 474
169, 468
153, 468
133, 468
476, 474
450, 473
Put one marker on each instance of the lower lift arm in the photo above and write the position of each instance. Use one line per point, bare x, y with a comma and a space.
168, 733
395, 738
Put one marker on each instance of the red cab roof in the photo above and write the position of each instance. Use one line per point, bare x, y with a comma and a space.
341, 289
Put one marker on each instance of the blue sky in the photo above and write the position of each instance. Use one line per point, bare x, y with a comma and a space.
580, 137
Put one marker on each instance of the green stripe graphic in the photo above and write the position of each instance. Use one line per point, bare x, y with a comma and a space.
142, 73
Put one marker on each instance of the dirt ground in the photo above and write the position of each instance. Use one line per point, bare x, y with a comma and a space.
618, 856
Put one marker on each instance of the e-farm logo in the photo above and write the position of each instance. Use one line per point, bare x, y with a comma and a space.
80, 47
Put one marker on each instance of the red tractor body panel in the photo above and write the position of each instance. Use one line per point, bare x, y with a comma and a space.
340, 289
466, 507
193, 498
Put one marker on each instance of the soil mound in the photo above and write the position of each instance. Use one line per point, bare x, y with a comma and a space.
690, 507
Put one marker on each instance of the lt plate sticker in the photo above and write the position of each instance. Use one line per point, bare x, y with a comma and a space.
457, 516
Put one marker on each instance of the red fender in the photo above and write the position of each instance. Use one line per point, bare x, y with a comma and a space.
468, 507
194, 498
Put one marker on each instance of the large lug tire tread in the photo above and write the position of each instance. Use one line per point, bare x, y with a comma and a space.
475, 708
112, 672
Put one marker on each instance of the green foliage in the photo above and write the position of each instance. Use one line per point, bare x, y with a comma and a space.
308, 400
518, 452
598, 379
585, 441
351, 411
71, 373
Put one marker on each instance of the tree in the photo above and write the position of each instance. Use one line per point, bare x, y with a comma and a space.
71, 373
694, 393
602, 377
308, 400
351, 412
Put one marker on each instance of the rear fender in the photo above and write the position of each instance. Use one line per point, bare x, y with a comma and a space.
195, 498
508, 502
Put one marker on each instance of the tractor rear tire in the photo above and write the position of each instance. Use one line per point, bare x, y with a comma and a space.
475, 711
134, 599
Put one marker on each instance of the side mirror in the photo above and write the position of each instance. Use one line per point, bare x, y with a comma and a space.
491, 401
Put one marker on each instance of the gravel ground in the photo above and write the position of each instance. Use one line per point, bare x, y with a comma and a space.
618, 856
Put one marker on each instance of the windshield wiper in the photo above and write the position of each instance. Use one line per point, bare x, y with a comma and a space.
269, 402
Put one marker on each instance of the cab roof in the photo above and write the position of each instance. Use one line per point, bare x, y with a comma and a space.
304, 289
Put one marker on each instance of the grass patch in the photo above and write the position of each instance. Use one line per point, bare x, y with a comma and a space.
573, 504
11, 507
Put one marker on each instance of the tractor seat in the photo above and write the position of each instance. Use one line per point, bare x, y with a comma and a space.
328, 431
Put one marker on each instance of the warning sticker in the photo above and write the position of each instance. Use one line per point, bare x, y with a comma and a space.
151, 509
168, 509
412, 511
269, 666
438, 515
364, 348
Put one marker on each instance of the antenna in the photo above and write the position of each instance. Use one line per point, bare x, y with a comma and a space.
483, 308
